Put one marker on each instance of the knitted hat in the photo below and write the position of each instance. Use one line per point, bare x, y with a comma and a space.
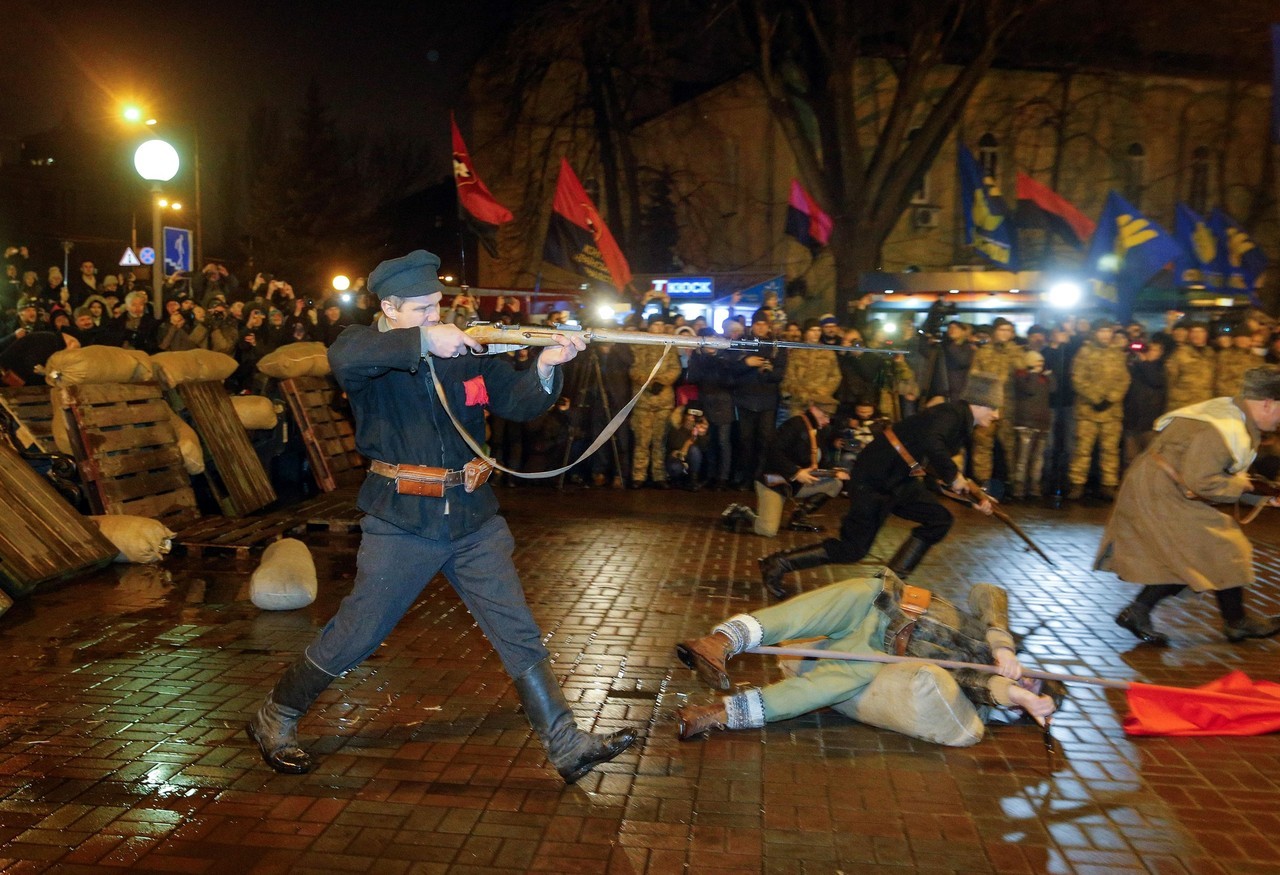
984, 390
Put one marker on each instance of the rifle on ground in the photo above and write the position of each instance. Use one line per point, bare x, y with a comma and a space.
499, 338
975, 496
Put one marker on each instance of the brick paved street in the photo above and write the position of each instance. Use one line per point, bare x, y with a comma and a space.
121, 742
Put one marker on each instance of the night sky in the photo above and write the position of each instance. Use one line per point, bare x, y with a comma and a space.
384, 68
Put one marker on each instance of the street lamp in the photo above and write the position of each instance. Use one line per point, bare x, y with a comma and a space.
341, 283
156, 161
134, 115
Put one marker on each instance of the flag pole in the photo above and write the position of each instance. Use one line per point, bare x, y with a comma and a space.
815, 653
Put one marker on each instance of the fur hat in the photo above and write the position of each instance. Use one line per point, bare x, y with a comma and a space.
984, 390
1032, 360
1262, 384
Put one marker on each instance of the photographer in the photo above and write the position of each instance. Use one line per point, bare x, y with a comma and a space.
213, 280
686, 448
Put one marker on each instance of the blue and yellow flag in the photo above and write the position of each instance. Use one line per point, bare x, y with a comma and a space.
1127, 250
1243, 263
988, 225
1199, 262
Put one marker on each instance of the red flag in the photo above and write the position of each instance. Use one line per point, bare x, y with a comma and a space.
1040, 206
578, 239
479, 208
1232, 705
805, 219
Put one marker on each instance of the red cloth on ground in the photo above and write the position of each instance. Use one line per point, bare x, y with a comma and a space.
1234, 704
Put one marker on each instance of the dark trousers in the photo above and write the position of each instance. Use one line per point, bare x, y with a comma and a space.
392, 568
869, 507
756, 429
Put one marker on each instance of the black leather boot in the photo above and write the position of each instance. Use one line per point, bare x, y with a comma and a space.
1136, 617
804, 507
908, 556
274, 729
572, 751
775, 565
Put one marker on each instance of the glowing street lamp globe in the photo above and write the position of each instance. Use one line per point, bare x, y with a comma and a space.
156, 160
341, 283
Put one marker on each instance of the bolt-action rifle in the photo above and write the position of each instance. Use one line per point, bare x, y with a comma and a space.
499, 338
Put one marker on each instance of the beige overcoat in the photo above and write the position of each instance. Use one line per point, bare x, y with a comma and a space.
1156, 535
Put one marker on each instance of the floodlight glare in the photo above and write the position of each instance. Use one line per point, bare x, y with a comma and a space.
341, 283
604, 311
891, 328
1065, 294
156, 160
132, 114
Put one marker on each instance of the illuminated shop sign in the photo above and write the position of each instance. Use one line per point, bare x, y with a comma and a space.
686, 288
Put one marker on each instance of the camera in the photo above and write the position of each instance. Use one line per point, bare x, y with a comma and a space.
1137, 346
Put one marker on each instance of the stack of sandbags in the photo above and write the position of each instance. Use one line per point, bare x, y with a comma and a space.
255, 411
192, 366
285, 579
97, 364
308, 359
138, 538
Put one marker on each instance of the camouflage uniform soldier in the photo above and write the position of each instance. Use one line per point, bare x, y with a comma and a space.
1100, 376
1001, 358
1232, 362
1190, 370
651, 415
812, 375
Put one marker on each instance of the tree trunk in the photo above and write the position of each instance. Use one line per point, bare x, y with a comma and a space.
855, 246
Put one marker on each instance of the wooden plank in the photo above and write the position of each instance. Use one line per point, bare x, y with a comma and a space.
244, 483
326, 431
31, 408
137, 415
148, 456
43, 538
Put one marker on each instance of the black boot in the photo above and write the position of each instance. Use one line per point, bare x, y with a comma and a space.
908, 556
804, 507
274, 729
1136, 617
773, 566
572, 751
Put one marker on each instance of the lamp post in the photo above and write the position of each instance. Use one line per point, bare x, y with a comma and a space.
156, 161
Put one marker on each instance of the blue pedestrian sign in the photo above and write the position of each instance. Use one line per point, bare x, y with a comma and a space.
177, 249
147, 255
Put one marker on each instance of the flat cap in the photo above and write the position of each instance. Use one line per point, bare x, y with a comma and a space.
410, 276
828, 319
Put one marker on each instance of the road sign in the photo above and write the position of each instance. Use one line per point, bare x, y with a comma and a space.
147, 255
129, 259
177, 249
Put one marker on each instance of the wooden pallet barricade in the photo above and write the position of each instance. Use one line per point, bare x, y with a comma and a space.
31, 408
327, 432
43, 538
127, 451
237, 478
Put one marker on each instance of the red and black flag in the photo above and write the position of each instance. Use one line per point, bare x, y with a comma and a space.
478, 208
577, 238
1041, 207
805, 219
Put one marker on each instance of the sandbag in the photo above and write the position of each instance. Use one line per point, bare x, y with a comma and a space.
285, 580
97, 364
189, 444
61, 439
255, 411
192, 366
138, 538
308, 359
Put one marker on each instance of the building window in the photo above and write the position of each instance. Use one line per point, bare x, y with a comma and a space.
1135, 173
1198, 196
989, 155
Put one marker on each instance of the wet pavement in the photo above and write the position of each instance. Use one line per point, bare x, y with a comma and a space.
122, 744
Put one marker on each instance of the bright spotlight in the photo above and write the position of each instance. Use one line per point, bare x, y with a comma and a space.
156, 161
175, 206
604, 311
164, 202
341, 283
1065, 294
891, 328
132, 114
346, 297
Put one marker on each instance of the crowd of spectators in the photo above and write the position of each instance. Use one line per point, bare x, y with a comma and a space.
1081, 396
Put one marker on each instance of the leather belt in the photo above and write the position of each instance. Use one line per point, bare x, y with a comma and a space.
1190, 494
914, 603
914, 468
432, 482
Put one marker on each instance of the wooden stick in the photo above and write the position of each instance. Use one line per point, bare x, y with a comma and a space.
812, 653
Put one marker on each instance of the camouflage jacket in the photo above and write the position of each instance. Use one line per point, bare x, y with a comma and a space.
1190, 372
1229, 370
644, 357
1000, 360
1100, 375
945, 631
812, 375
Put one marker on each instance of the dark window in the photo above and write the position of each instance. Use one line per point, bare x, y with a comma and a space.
1198, 195
989, 155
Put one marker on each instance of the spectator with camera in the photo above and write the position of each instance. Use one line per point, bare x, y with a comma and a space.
224, 331
56, 293
686, 449
215, 279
